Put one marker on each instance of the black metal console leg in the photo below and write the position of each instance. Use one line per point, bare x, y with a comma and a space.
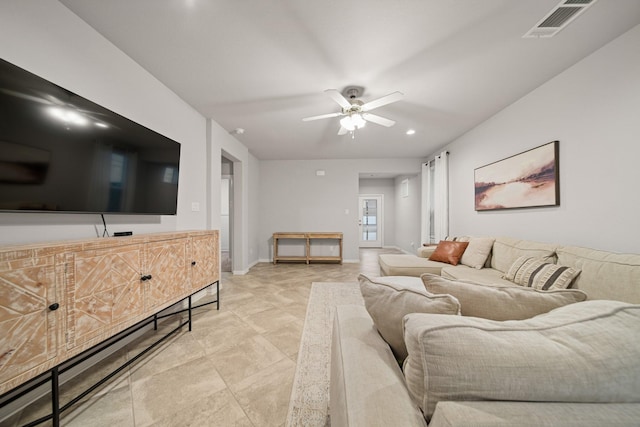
55, 398
189, 313
217, 294
155, 322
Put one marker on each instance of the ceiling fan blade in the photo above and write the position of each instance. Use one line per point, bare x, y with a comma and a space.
323, 116
343, 130
337, 96
387, 99
378, 120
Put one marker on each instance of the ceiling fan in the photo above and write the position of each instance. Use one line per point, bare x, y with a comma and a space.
355, 112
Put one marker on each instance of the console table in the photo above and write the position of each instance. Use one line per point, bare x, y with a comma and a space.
308, 238
62, 302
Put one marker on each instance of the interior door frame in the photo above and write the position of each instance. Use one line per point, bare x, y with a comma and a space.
230, 219
379, 243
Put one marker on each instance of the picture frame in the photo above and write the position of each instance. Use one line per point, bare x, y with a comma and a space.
524, 180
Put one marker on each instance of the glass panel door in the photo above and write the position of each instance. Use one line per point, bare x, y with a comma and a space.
369, 221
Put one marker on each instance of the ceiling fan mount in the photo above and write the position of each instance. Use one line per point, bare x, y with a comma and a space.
353, 92
356, 112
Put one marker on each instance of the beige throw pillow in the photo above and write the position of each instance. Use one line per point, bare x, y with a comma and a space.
584, 352
538, 273
501, 302
477, 252
388, 299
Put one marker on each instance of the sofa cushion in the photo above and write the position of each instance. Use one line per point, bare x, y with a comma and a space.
449, 252
605, 275
539, 274
477, 252
388, 299
366, 385
582, 352
500, 302
407, 265
488, 276
506, 250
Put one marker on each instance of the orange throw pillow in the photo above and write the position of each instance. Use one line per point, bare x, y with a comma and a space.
449, 252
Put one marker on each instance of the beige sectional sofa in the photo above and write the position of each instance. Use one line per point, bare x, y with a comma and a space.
575, 365
604, 275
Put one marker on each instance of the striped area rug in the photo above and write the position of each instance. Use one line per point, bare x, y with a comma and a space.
309, 403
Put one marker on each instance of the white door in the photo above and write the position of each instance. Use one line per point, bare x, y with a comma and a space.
370, 220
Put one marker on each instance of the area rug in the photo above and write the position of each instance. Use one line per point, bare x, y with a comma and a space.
309, 403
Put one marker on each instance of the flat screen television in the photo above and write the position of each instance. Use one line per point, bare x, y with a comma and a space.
60, 152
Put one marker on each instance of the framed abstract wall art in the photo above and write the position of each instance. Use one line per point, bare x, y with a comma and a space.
529, 179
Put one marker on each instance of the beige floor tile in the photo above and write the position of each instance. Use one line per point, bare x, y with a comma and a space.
109, 409
219, 336
265, 395
177, 350
246, 359
270, 320
297, 310
113, 409
247, 308
217, 410
162, 395
77, 385
287, 338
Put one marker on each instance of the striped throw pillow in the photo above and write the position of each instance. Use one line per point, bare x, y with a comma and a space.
539, 274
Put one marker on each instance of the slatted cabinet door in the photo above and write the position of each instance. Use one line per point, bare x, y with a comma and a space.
104, 289
204, 259
28, 337
165, 274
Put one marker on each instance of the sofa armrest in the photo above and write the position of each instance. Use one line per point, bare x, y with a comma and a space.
367, 387
426, 251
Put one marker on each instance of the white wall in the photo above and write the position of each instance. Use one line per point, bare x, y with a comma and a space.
408, 214
293, 198
253, 251
45, 38
593, 109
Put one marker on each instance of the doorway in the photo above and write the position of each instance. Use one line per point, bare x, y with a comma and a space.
226, 215
370, 209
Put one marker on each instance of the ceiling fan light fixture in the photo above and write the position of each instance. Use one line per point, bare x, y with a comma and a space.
347, 123
358, 121
352, 122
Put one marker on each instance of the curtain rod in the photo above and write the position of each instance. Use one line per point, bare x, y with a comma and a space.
446, 152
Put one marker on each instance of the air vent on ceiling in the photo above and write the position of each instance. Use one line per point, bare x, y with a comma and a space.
558, 18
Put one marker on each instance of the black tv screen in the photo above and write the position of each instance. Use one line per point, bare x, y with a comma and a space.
60, 152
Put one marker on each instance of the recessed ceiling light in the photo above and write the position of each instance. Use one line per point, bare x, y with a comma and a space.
411, 131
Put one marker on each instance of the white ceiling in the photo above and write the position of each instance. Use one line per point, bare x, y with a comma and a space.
263, 65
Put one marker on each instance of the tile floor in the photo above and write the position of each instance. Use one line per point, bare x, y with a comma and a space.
235, 368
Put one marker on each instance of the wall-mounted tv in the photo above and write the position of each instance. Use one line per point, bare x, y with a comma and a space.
60, 152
